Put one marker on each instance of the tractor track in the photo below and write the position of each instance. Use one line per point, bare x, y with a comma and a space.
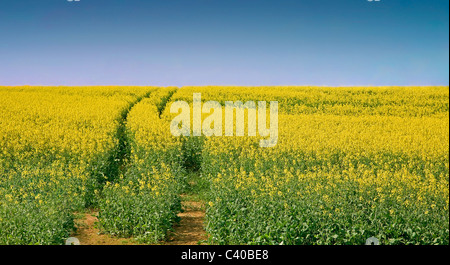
188, 231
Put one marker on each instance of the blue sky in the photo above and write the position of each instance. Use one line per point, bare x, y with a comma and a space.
224, 42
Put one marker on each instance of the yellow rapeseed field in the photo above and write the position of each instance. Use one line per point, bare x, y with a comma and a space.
56, 145
350, 163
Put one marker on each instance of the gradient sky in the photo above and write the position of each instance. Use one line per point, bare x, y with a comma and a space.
224, 42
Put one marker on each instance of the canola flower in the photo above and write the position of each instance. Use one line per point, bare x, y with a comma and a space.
351, 163
144, 201
56, 147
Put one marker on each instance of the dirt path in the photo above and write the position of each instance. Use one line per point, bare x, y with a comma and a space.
189, 231
88, 233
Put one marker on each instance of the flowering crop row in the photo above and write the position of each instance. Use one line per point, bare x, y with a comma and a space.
56, 145
144, 201
350, 163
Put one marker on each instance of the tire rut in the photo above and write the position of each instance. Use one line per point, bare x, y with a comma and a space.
86, 228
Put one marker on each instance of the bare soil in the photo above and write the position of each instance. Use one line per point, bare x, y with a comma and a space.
88, 233
189, 231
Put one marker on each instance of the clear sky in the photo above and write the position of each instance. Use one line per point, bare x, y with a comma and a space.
224, 42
